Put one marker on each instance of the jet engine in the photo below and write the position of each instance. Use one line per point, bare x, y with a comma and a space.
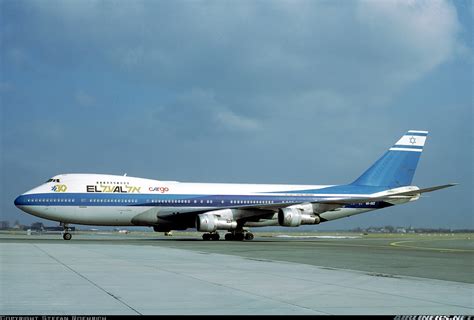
294, 217
217, 220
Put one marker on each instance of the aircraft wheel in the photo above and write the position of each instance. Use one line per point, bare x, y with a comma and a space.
67, 236
206, 237
215, 236
229, 236
249, 236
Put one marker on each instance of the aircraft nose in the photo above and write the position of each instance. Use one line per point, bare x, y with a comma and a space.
19, 200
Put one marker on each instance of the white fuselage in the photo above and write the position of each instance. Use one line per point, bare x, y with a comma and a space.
95, 199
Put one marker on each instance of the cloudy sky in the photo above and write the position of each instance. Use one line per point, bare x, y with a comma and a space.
298, 92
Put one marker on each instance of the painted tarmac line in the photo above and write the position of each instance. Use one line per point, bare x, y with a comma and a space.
402, 245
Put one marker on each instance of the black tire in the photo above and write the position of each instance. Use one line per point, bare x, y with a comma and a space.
249, 236
216, 237
229, 236
205, 237
67, 236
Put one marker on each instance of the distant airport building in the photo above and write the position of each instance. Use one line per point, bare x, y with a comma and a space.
4, 225
37, 226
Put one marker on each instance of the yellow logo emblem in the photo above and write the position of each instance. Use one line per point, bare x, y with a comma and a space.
59, 188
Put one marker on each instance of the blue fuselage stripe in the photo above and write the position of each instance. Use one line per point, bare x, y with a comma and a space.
168, 200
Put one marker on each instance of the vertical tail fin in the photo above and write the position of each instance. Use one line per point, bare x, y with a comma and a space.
397, 166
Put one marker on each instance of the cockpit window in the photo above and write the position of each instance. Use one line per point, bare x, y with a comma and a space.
52, 180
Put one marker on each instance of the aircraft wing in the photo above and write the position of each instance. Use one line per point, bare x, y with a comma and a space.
385, 197
255, 212
349, 200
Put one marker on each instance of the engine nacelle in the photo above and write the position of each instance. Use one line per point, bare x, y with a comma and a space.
315, 208
216, 220
293, 217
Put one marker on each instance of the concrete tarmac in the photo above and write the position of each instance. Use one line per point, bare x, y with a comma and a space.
151, 274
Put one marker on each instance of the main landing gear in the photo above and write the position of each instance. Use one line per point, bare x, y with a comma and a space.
239, 235
211, 236
66, 234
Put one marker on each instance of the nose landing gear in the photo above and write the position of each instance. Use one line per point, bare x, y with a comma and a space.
66, 234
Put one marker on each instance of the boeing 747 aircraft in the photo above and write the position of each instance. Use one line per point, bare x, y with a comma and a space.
112, 200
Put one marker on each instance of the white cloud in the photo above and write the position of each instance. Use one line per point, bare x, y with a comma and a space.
422, 33
294, 56
228, 120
